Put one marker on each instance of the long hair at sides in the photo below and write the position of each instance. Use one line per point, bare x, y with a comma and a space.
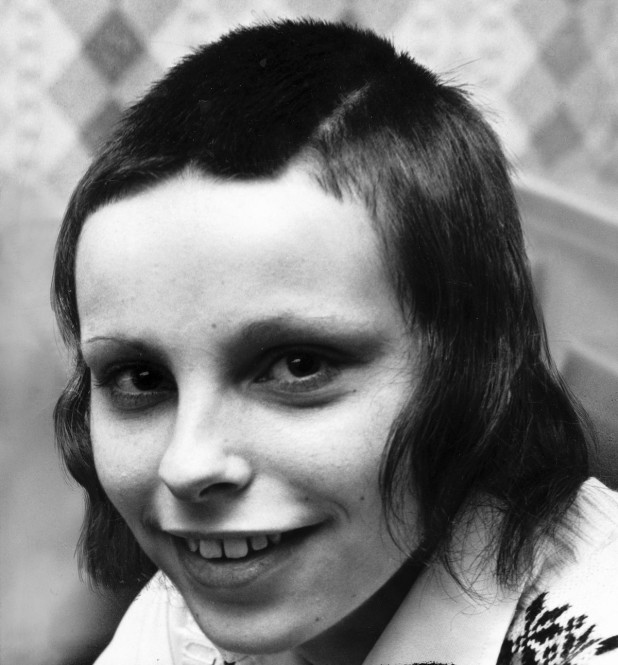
490, 418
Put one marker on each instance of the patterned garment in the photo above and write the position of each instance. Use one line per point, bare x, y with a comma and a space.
546, 634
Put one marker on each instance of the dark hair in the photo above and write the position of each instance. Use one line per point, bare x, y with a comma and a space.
490, 418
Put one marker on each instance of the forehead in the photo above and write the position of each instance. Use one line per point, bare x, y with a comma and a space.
229, 249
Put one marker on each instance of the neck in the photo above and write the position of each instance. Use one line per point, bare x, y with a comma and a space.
349, 641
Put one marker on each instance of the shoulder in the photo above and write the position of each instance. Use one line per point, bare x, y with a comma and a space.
568, 615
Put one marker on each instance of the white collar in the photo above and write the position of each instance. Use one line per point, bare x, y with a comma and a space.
439, 623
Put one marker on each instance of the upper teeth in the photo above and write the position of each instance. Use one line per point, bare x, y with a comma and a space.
233, 548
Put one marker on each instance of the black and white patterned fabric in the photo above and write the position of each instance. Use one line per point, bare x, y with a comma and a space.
549, 634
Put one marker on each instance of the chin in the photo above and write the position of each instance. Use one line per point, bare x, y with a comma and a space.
256, 638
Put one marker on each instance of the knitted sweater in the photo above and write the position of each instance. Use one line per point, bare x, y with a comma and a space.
565, 614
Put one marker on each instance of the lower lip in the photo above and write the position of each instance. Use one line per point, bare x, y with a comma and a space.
235, 573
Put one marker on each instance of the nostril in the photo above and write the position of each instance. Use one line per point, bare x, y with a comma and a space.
217, 488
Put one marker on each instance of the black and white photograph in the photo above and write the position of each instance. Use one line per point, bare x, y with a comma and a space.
308, 332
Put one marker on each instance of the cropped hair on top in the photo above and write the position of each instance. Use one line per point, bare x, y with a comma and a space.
491, 418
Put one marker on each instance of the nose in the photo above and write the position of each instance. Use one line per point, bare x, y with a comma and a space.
202, 460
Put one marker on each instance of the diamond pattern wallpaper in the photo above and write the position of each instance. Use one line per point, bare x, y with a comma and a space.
544, 71
547, 73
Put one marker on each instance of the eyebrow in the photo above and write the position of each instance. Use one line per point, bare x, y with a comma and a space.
142, 348
292, 328
117, 339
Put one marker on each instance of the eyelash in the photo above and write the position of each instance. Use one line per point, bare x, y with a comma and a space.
296, 389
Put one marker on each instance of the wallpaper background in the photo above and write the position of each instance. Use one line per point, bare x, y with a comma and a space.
545, 71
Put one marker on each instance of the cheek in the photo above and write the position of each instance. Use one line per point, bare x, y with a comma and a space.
126, 465
338, 454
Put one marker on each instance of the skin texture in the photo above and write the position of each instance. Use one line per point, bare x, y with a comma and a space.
248, 357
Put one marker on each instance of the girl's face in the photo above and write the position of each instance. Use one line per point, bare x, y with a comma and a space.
248, 357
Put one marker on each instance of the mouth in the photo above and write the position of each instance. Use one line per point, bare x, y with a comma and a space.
236, 560
233, 548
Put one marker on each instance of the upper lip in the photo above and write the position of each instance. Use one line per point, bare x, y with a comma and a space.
225, 534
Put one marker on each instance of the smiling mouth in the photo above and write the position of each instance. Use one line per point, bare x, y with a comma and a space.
228, 563
239, 548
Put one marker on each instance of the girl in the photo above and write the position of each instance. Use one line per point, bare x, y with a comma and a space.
312, 395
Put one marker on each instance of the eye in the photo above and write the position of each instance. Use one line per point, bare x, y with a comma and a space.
299, 371
298, 365
138, 379
136, 386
